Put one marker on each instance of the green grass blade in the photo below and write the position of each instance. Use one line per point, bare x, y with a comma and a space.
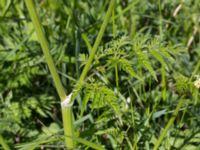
3, 143
90, 144
86, 40
169, 124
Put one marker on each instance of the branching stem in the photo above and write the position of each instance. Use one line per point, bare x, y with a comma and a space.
66, 112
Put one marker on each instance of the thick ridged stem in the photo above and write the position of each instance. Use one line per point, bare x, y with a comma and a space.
66, 111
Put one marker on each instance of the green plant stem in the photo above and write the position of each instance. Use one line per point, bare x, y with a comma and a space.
164, 93
94, 49
116, 77
3, 143
160, 20
45, 48
86, 40
113, 24
66, 112
169, 124
195, 70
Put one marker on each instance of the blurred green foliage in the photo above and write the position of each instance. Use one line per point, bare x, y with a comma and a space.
145, 63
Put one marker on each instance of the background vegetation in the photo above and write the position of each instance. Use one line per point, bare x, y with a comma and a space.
140, 80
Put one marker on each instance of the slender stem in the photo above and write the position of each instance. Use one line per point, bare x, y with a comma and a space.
116, 77
3, 143
86, 40
160, 20
163, 83
195, 70
66, 112
77, 51
169, 124
94, 49
45, 48
113, 24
